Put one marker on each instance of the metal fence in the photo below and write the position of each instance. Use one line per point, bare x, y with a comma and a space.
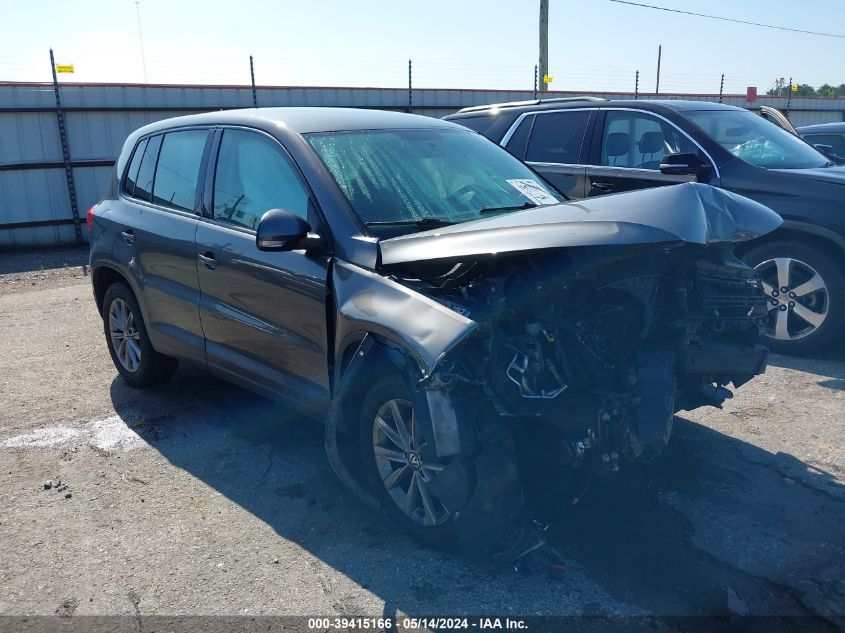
39, 187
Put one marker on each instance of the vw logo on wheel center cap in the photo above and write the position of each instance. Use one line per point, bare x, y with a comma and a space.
413, 460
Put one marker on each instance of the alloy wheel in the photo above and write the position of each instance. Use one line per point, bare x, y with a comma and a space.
406, 476
797, 296
124, 336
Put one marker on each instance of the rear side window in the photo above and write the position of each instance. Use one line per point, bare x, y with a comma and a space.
146, 172
557, 137
132, 172
254, 175
178, 169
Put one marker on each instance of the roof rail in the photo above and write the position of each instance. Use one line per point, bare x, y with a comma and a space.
517, 104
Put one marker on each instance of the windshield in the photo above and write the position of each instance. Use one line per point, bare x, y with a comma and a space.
756, 140
427, 176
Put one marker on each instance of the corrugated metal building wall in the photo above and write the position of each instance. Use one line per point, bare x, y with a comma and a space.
98, 117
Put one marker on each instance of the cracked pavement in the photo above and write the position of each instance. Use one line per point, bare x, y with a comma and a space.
201, 498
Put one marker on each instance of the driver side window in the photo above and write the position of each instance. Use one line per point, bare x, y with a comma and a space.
253, 175
639, 140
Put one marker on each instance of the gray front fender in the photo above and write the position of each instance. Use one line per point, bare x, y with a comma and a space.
370, 303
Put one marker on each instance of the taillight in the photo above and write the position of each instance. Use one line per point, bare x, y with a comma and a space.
89, 218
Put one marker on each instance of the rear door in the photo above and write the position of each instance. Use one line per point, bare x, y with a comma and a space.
555, 143
263, 314
627, 150
157, 222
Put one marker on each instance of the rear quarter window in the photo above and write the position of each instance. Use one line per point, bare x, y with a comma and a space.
132, 170
146, 172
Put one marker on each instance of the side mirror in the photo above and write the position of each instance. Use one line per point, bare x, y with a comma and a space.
281, 230
683, 165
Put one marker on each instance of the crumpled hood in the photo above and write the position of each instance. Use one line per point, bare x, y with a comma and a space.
688, 212
834, 175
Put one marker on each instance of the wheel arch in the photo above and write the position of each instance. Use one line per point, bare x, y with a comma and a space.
362, 359
791, 230
104, 276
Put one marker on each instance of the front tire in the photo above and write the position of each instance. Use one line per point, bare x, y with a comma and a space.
805, 289
399, 462
128, 342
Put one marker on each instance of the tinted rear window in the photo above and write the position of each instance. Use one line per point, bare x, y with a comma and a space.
178, 168
557, 137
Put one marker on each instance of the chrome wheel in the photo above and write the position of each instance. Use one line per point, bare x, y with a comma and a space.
124, 336
406, 477
797, 297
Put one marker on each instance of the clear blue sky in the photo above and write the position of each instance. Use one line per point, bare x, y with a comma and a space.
594, 44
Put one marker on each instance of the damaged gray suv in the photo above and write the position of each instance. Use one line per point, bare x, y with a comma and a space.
426, 296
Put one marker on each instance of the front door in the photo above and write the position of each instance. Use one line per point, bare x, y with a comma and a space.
263, 314
627, 153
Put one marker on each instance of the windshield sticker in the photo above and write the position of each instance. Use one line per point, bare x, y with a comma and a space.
533, 190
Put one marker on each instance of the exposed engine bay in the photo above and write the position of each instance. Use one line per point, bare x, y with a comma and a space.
604, 345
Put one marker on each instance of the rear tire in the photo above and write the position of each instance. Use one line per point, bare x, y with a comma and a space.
128, 342
390, 449
809, 316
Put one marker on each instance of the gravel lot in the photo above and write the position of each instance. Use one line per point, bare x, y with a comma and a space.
201, 498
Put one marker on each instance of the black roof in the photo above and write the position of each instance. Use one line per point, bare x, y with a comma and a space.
304, 120
822, 127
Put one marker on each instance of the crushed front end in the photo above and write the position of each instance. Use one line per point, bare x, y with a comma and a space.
593, 350
577, 330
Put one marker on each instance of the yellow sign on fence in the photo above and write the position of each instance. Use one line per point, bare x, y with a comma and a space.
64, 68
794, 87
547, 79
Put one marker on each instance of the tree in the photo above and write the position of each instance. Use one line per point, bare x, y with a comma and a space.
782, 89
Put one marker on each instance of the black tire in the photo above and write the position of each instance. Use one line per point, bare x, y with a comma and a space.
152, 368
440, 535
809, 258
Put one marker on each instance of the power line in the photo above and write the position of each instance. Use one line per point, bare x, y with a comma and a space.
141, 38
723, 19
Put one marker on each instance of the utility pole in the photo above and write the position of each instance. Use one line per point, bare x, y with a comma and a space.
141, 39
252, 77
410, 90
659, 55
722, 88
544, 45
71, 185
637, 85
788, 98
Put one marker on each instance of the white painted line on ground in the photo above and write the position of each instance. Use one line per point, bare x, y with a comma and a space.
109, 434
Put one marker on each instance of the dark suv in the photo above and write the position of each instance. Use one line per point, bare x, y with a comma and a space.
591, 147
424, 294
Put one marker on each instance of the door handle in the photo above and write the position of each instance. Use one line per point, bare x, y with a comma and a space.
128, 236
603, 186
208, 259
